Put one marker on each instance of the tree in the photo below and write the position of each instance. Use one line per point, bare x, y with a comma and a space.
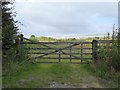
32, 36
9, 27
14, 55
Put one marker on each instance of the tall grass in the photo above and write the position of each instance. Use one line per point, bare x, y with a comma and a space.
13, 60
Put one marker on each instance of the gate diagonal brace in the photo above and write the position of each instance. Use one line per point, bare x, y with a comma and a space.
59, 50
56, 50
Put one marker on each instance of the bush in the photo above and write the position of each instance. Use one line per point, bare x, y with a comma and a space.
115, 56
108, 63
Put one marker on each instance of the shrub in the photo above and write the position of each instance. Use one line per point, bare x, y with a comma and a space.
115, 56
108, 59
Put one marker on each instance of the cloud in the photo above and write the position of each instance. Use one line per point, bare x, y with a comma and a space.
49, 19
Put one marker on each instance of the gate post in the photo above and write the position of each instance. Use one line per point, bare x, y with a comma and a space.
94, 50
20, 44
59, 55
21, 38
18, 41
81, 52
70, 54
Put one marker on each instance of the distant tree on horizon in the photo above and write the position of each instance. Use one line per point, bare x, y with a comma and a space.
32, 36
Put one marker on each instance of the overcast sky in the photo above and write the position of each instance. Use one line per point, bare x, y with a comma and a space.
61, 19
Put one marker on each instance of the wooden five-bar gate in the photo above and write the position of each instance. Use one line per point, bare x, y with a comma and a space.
56, 52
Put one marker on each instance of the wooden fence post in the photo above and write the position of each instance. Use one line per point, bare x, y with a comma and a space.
21, 38
70, 54
81, 53
94, 50
18, 42
59, 55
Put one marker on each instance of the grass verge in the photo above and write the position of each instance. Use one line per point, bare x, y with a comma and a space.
42, 75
